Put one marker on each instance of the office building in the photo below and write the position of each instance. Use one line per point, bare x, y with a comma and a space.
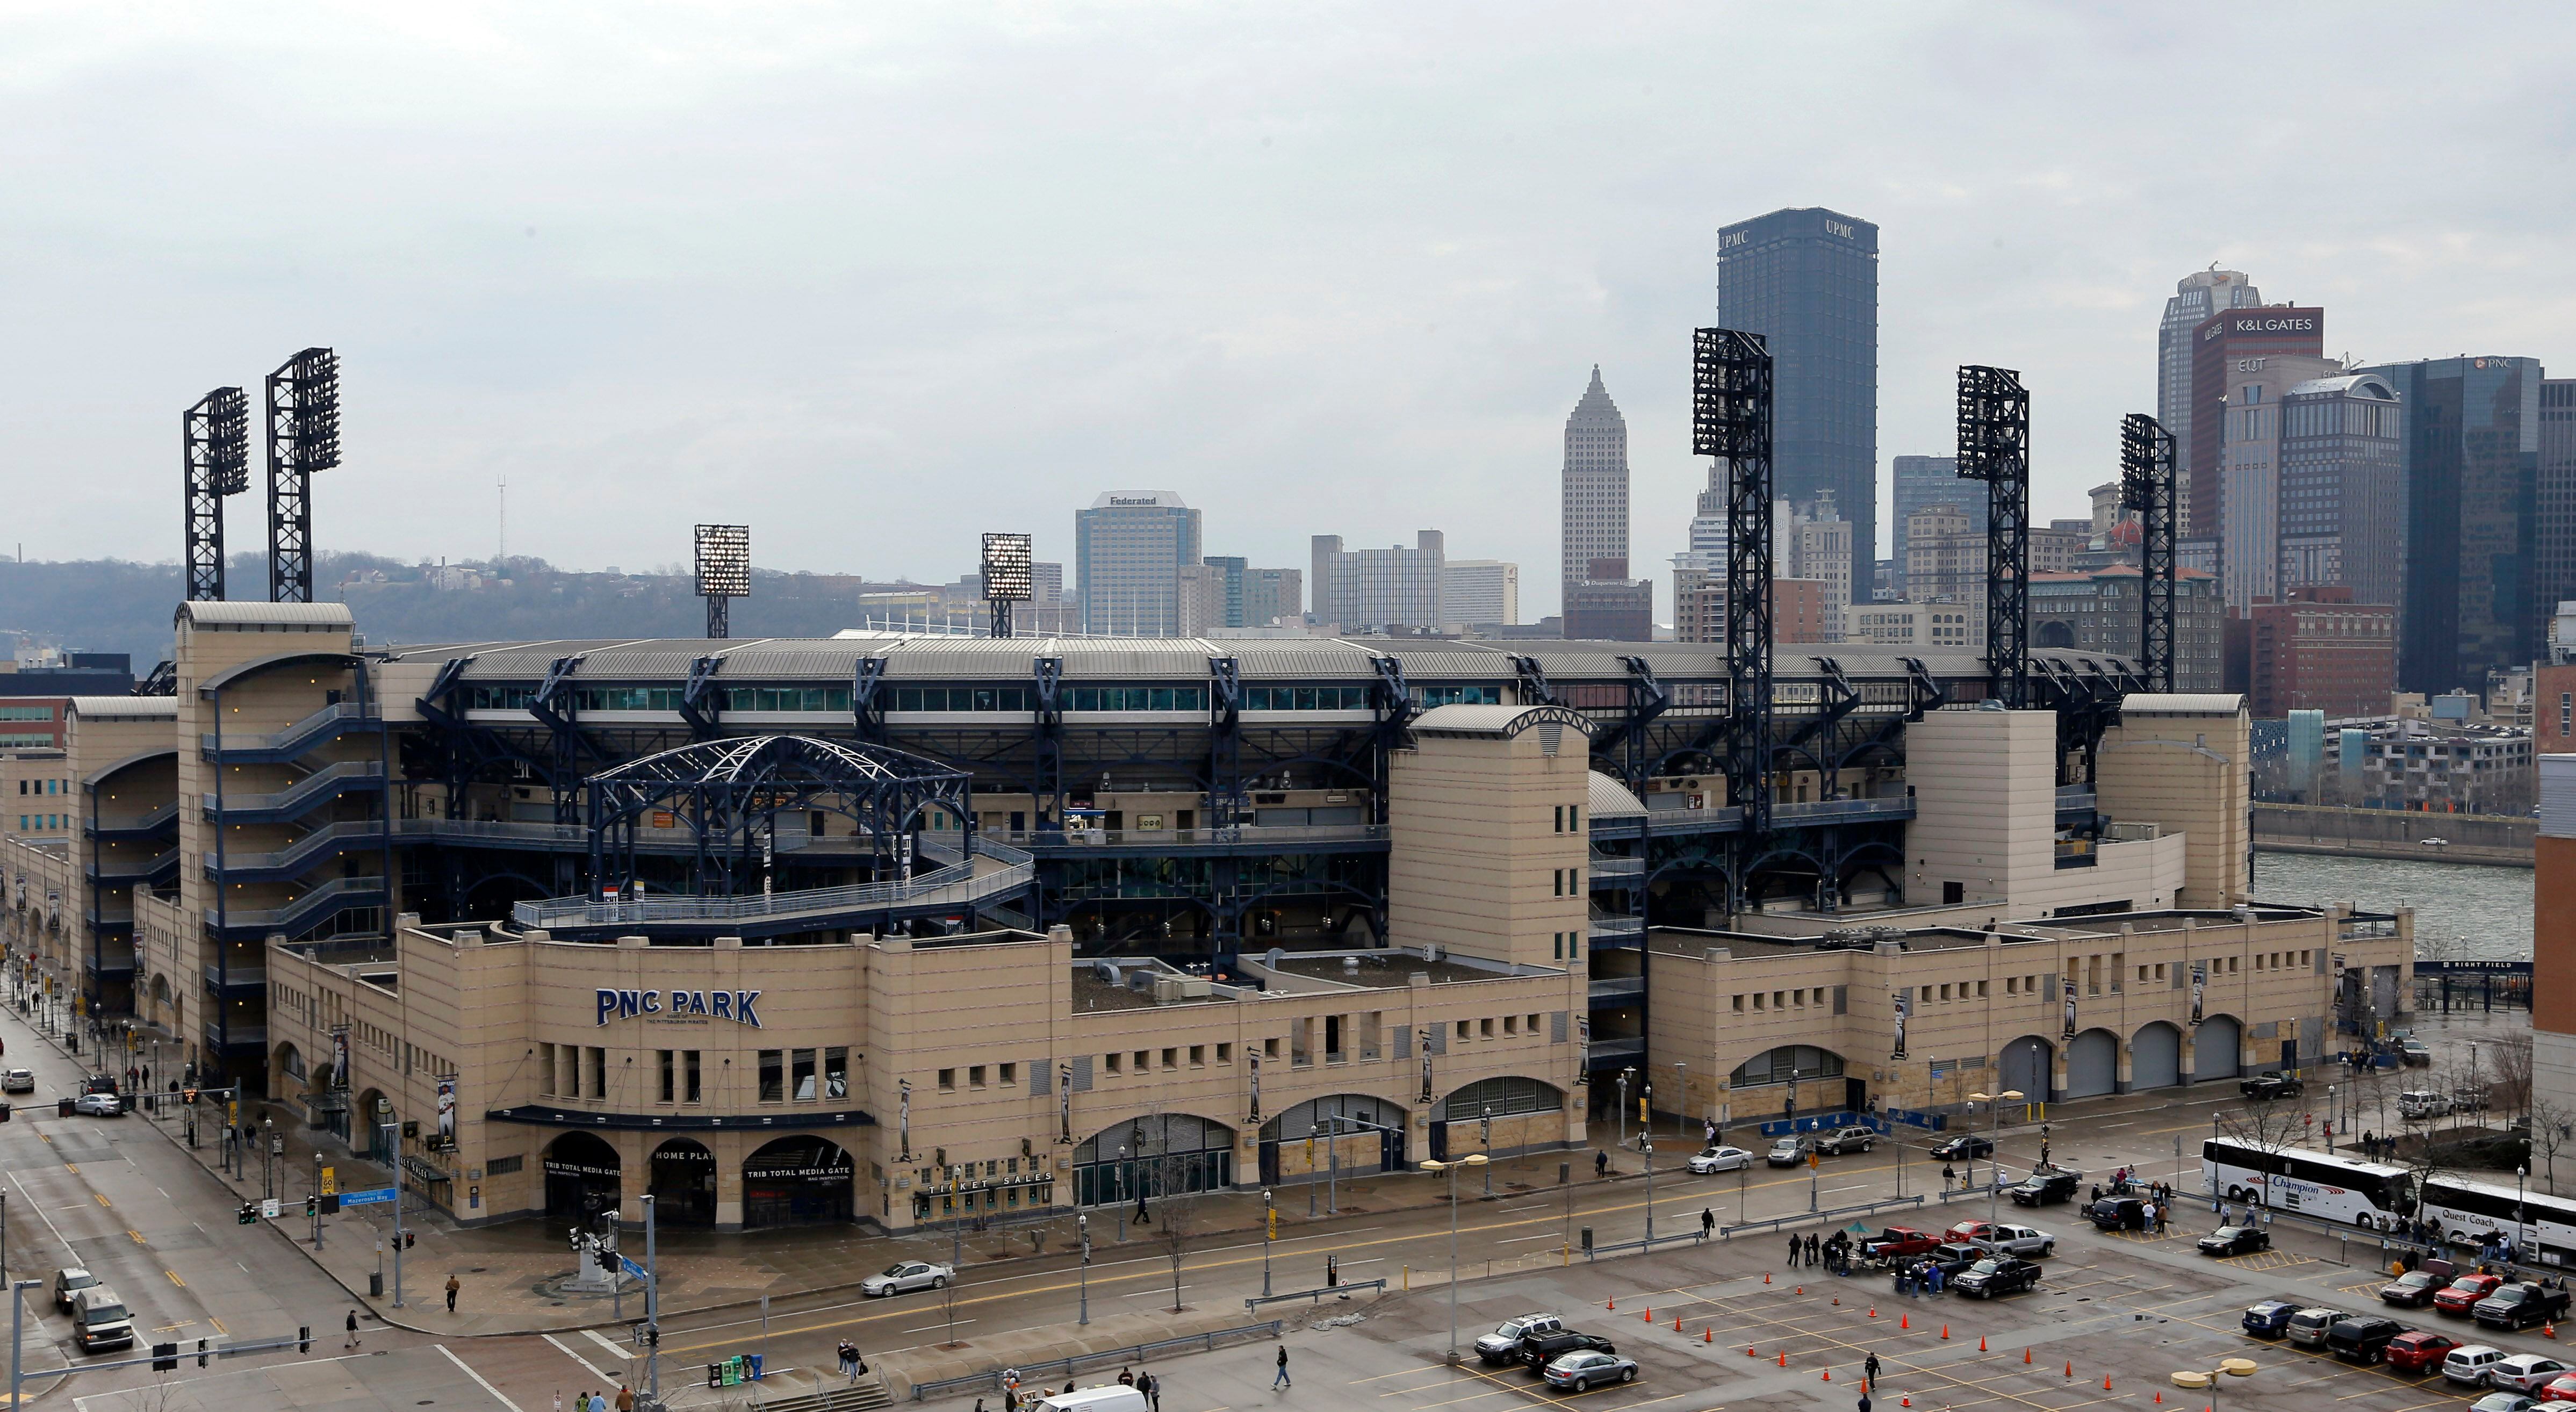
1475, 592
1593, 514
1272, 597
1609, 606
2228, 348
2196, 297
1945, 558
32, 722
1128, 551
2097, 611
2342, 503
1814, 541
1934, 627
2320, 651
1922, 481
2439, 767
1202, 597
2469, 601
1394, 588
1807, 281
2055, 546
2554, 495
1234, 567
1805, 611
2249, 480
2553, 937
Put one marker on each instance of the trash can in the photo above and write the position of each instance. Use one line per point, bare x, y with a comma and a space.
1587, 1239
62, 1108
375, 1284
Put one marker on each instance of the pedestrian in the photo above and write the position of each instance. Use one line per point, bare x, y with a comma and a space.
353, 1330
1795, 1245
849, 1359
625, 1398
1812, 1244
1707, 1221
558, 1400
1869, 1370
452, 1287
1153, 1387
1864, 1397
1949, 1175
2164, 1216
1279, 1380
1935, 1281
1126, 1378
1600, 1164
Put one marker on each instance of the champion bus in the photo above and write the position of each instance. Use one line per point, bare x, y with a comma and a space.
2344, 1190
2543, 1227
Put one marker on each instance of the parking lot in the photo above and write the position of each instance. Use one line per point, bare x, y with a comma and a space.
1752, 1332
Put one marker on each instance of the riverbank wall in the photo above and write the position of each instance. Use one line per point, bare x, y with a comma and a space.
2489, 839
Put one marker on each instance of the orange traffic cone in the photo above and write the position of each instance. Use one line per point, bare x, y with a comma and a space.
2025, 1357
1838, 1301
2106, 1382
1614, 1303
2160, 1397
1905, 1321
1802, 1289
1707, 1335
1677, 1323
1873, 1311
1828, 1377
2070, 1368
1784, 1358
1649, 1316
1981, 1343
1766, 1277
1945, 1331
2548, 1329
1750, 1353
1905, 1401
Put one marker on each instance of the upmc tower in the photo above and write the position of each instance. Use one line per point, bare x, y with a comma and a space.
1807, 281
2223, 346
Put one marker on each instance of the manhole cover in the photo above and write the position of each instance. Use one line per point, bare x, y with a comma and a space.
477, 1269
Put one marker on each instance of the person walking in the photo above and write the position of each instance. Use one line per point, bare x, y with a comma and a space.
1126, 1378
1600, 1165
1812, 1244
453, 1285
1935, 1281
1949, 1176
625, 1398
1869, 1371
1152, 1387
1707, 1221
353, 1330
1280, 1379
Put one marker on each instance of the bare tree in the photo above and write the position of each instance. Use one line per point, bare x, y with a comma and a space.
2510, 1057
2552, 1126
2269, 1126
1177, 1217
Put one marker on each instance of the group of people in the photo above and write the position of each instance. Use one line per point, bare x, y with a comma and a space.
1832, 1252
850, 1362
599, 1402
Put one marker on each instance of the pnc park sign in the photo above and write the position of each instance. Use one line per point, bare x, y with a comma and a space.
739, 1006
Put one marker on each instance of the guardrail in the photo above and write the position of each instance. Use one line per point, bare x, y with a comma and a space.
956, 885
323, 722
1133, 1353
337, 892
1834, 1213
300, 850
1314, 1295
1696, 1237
312, 786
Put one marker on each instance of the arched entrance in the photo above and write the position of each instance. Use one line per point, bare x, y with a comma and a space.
2025, 1064
2155, 1056
1523, 1112
2092, 1064
373, 1133
2215, 1048
1151, 1155
1372, 1138
795, 1181
1790, 1081
683, 1182
582, 1177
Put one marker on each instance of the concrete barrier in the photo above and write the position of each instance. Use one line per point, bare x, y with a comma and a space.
2395, 833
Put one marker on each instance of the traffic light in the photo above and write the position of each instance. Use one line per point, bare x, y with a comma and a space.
653, 1336
165, 1357
410, 1238
188, 1095
304, 1338
248, 1215
313, 1206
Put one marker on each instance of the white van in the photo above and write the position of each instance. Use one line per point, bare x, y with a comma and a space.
99, 1320
1113, 1397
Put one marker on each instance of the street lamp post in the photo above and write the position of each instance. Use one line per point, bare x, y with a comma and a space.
1082, 1223
1994, 1130
1311, 1130
1646, 1124
1623, 1105
2521, 1216
2195, 1379
1269, 1233
652, 1304
1647, 1139
18, 1340
1485, 1139
1122, 1194
1435, 1167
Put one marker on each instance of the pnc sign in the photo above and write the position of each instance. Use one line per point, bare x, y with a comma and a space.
739, 1006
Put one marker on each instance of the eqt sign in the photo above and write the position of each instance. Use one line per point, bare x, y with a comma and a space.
739, 1006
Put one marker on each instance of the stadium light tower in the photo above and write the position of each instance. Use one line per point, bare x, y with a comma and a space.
1010, 576
1994, 447
724, 573
303, 437
216, 434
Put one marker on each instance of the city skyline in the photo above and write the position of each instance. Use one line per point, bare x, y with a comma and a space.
661, 310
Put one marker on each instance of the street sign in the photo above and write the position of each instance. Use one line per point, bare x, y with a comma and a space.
1815, 1160
365, 1198
631, 1267
330, 1181
269, 1208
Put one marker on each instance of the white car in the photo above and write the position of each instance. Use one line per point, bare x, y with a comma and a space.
98, 1105
1790, 1151
1720, 1159
18, 1081
2524, 1372
908, 1274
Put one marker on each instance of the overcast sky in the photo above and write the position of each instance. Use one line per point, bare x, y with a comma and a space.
877, 278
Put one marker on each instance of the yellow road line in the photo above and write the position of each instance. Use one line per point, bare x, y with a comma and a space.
174, 1278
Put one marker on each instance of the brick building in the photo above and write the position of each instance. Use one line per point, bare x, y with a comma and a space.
2320, 651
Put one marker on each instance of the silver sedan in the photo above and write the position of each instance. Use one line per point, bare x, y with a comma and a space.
1720, 1159
910, 1274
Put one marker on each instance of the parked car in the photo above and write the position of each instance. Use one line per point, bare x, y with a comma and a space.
1964, 1147
2467, 1364
1506, 1342
1848, 1140
1898, 1243
1720, 1159
906, 1275
2045, 1188
2503, 1402
2422, 1103
1581, 1372
2418, 1351
2309, 1327
2362, 1338
2118, 1213
2270, 1318
2271, 1083
2468, 1100
19, 1081
1997, 1275
2560, 1389
2028, 1242
2519, 1306
2524, 1372
1950, 1258
2414, 1052
2412, 1290
1539, 1350
98, 1105
1966, 1231
1790, 1151
69, 1281
2235, 1240
2462, 1294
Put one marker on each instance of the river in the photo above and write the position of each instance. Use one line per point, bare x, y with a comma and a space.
2468, 912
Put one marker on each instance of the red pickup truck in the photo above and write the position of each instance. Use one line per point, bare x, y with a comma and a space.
1899, 1242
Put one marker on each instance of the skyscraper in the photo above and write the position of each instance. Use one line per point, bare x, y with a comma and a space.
1127, 556
2196, 296
1595, 487
2248, 427
2226, 349
1924, 481
2468, 605
2343, 492
1394, 587
1807, 280
1474, 592
2555, 541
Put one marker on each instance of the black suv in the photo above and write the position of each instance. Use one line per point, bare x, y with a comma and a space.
2045, 1188
2362, 1338
2117, 1213
1539, 1350
1966, 1145
1998, 1275
2272, 1083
